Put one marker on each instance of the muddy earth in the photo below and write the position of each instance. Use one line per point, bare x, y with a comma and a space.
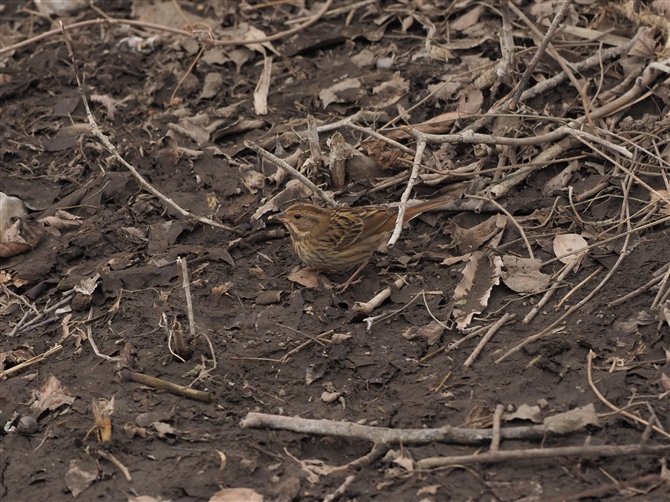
263, 335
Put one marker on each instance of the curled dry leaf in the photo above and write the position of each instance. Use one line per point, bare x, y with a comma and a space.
471, 295
385, 155
87, 286
62, 220
11, 208
338, 157
330, 397
431, 332
51, 395
21, 237
253, 180
108, 102
665, 382
222, 289
471, 239
664, 313
295, 190
645, 44
308, 278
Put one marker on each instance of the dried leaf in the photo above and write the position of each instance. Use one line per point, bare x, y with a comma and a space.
51, 396
389, 92
80, 476
523, 275
570, 243
473, 291
573, 420
236, 495
212, 85
343, 91
308, 278
431, 332
524, 412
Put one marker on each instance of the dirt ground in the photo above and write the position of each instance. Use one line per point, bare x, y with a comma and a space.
401, 371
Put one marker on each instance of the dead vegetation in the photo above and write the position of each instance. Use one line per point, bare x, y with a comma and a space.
160, 340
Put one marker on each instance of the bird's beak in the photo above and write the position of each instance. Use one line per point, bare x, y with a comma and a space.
279, 216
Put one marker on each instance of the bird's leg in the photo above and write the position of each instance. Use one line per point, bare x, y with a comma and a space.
341, 288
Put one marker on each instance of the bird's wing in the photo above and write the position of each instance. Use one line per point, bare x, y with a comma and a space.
355, 225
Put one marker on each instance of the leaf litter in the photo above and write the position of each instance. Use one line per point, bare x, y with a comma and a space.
579, 165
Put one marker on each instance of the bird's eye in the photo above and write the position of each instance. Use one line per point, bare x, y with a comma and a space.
297, 216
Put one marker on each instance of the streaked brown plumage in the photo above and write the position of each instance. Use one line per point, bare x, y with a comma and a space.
341, 238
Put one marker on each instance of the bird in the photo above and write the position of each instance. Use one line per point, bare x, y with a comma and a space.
337, 239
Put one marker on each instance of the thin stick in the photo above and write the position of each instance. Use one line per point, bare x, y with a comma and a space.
604, 400
186, 286
112, 149
564, 451
558, 18
511, 219
203, 372
177, 336
89, 333
369, 306
550, 292
288, 355
132, 376
497, 417
551, 83
659, 295
31, 361
386, 436
331, 497
381, 137
456, 344
313, 141
506, 40
108, 456
489, 334
635, 293
576, 288
67, 297
548, 330
294, 172
420, 147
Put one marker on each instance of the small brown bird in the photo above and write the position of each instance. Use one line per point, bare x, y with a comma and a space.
337, 239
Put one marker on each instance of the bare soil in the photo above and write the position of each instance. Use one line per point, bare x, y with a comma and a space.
131, 239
